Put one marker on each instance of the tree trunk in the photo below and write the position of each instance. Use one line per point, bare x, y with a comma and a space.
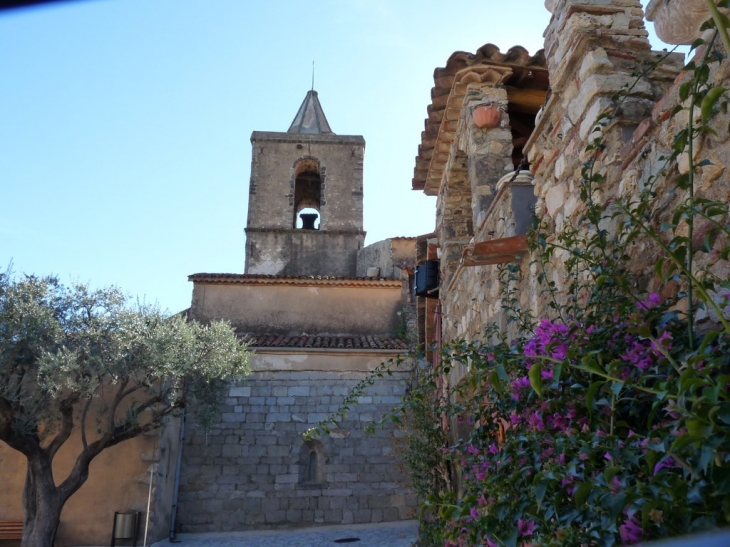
42, 504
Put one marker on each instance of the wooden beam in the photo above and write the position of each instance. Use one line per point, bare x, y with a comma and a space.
525, 100
495, 251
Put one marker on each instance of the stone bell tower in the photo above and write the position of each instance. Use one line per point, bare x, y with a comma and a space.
305, 199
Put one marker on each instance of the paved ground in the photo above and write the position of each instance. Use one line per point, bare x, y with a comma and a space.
392, 534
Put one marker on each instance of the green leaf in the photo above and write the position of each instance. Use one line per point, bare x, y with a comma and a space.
684, 91
536, 378
591, 394
698, 428
709, 102
502, 373
582, 492
540, 489
495, 382
557, 372
685, 440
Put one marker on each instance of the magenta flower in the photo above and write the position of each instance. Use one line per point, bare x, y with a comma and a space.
536, 422
638, 355
481, 500
652, 301
473, 512
630, 531
489, 543
525, 528
667, 463
664, 341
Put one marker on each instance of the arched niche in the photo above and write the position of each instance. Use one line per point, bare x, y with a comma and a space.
311, 463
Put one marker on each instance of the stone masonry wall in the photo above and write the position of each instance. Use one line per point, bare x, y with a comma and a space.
595, 49
254, 470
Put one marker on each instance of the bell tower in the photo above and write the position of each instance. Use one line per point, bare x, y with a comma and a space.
305, 203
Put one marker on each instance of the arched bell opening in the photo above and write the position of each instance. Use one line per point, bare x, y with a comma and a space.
307, 195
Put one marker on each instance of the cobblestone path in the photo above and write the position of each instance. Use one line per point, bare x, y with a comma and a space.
393, 534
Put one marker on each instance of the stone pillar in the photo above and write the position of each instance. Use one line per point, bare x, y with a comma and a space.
594, 50
489, 151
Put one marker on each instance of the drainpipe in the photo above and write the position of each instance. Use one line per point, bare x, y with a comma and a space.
176, 487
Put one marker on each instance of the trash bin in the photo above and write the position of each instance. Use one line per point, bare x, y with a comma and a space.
125, 527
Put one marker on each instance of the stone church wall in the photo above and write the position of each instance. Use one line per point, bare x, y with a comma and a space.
254, 469
303, 306
302, 252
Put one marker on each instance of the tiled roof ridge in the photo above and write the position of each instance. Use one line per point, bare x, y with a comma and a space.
491, 54
261, 278
486, 63
323, 341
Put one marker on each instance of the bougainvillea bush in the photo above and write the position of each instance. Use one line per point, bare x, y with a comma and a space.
592, 434
606, 421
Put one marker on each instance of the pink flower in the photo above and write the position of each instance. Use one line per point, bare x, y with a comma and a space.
473, 512
630, 531
481, 500
652, 301
489, 543
664, 341
667, 463
536, 422
525, 528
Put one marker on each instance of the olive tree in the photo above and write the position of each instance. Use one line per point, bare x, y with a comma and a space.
83, 361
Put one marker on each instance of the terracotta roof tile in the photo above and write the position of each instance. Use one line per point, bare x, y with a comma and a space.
255, 279
459, 65
326, 341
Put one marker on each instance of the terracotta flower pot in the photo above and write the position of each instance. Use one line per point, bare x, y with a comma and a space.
678, 21
487, 116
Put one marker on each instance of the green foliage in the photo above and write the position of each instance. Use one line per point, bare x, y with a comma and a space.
607, 422
72, 354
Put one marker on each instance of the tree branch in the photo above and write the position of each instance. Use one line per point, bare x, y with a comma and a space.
84, 412
115, 403
80, 471
25, 444
67, 422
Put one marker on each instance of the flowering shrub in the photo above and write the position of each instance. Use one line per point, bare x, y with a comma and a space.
613, 434
608, 421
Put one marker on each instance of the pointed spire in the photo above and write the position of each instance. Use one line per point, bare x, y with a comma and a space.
310, 118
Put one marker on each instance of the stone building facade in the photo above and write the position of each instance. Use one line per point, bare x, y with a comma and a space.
594, 49
319, 325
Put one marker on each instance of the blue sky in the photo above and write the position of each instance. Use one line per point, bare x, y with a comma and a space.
125, 124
